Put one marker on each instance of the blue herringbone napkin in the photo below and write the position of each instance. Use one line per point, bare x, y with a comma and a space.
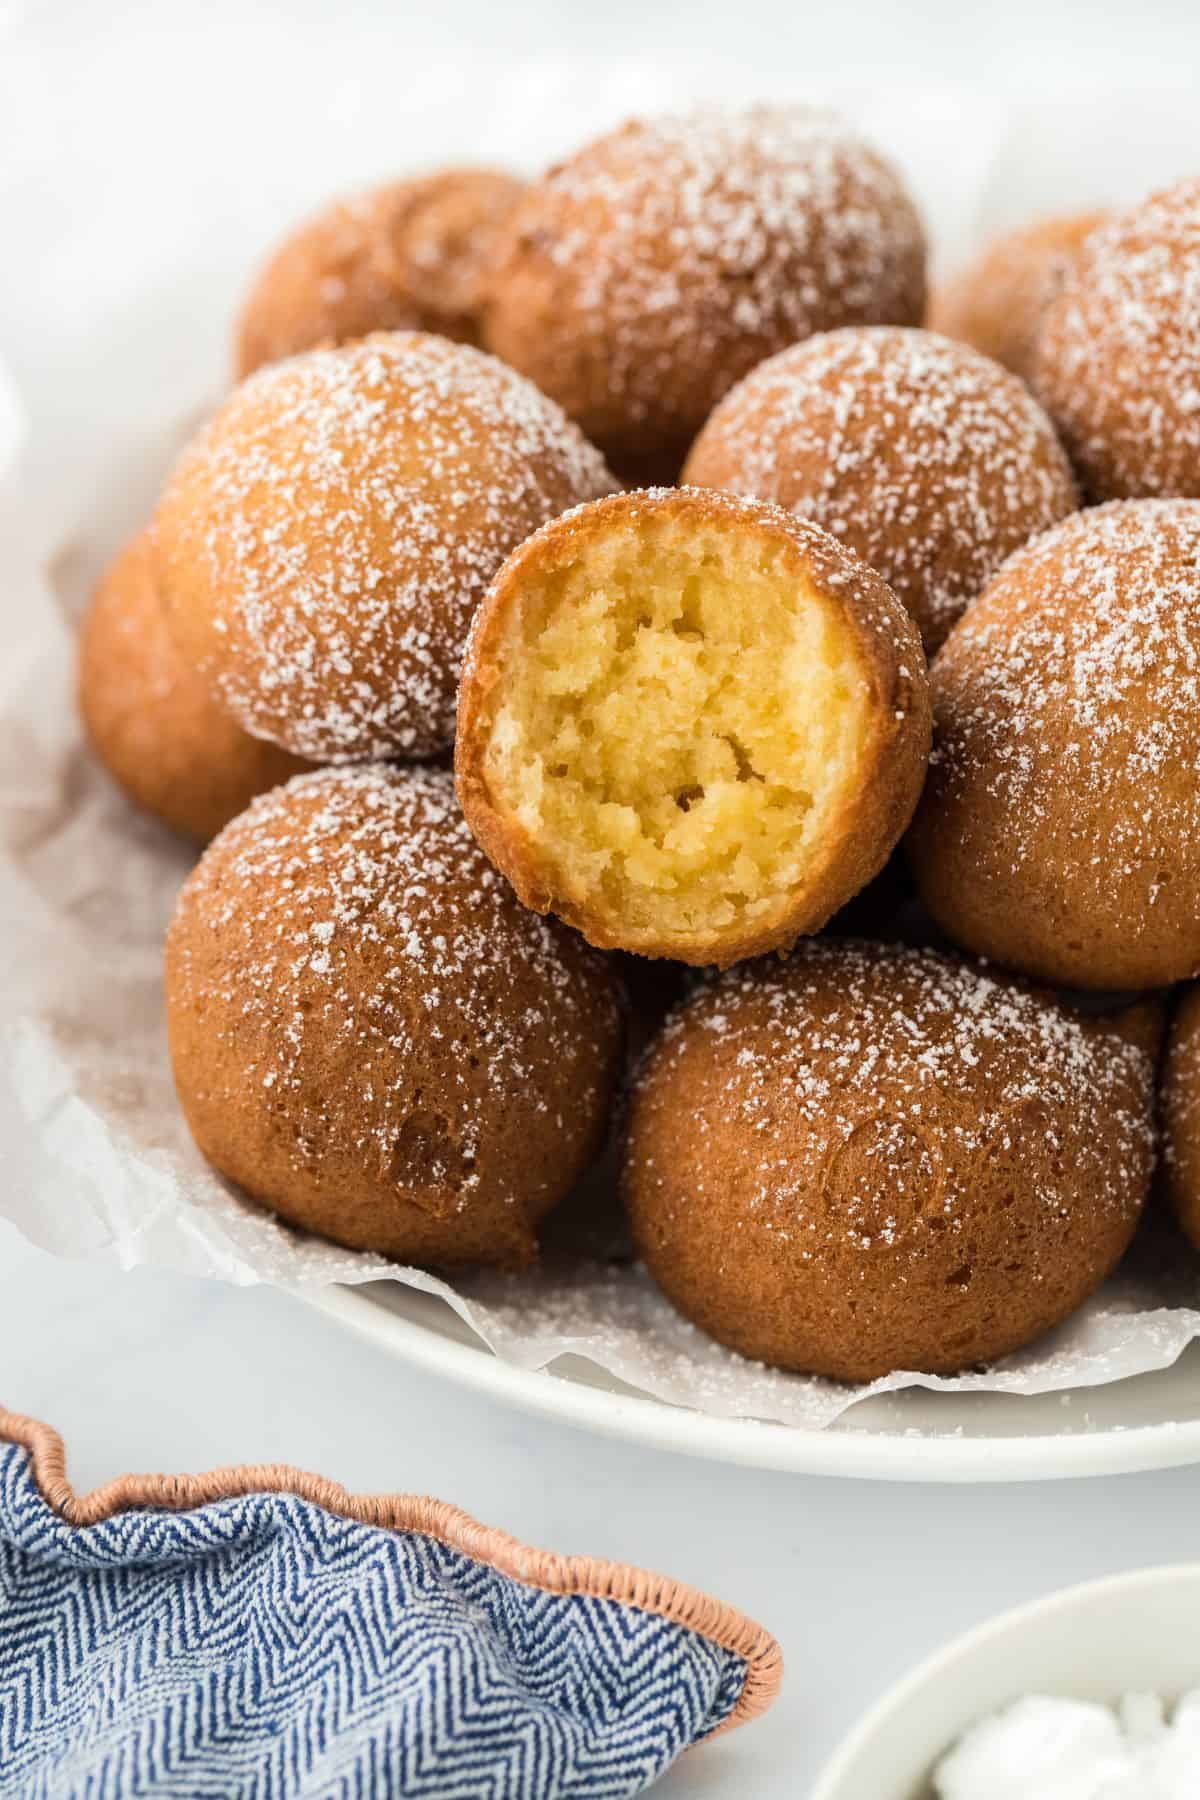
264, 1644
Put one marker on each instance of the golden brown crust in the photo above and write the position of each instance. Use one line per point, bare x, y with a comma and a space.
370, 1035
1119, 349
997, 301
905, 1162
1059, 831
893, 761
1179, 1101
324, 540
925, 457
407, 256
151, 721
638, 280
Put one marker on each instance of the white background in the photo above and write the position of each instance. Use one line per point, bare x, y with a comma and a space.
144, 146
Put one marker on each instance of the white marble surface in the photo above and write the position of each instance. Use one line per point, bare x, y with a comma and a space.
857, 1580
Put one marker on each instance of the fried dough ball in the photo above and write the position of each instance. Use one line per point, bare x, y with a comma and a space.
868, 1159
1118, 353
1180, 1110
996, 303
930, 460
691, 725
408, 256
650, 271
151, 721
324, 541
1059, 832
372, 1037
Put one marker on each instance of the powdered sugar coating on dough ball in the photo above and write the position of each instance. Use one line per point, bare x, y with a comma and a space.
370, 1034
325, 540
927, 458
866, 1159
152, 721
1118, 356
1059, 831
647, 273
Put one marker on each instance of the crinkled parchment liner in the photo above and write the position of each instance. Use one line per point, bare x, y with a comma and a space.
97, 1160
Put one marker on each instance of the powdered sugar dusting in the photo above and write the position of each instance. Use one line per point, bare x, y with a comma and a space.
1119, 353
1069, 698
336, 524
956, 1058
348, 923
679, 251
921, 454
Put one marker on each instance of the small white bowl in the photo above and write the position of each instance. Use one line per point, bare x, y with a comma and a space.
1135, 1633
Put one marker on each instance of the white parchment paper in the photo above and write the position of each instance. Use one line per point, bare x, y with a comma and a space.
94, 1157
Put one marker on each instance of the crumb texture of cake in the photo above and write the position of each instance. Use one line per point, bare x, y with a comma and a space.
643, 276
689, 725
407, 256
152, 721
927, 458
1059, 830
1118, 352
996, 303
324, 541
372, 1037
866, 1159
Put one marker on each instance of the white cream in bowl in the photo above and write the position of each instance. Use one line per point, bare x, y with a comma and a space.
1061, 1749
1136, 1634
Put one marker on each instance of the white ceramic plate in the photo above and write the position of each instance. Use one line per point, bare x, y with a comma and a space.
1147, 1422
1135, 1633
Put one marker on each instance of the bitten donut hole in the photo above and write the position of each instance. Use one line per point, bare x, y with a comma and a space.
682, 714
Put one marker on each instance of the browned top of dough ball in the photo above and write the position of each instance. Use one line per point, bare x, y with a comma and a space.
151, 719
947, 1050
997, 301
822, 1166
650, 271
407, 256
352, 986
324, 541
930, 460
1060, 828
1118, 360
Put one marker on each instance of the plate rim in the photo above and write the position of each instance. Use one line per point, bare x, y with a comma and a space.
846, 1453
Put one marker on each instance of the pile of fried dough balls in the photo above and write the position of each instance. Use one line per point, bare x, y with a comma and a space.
692, 721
